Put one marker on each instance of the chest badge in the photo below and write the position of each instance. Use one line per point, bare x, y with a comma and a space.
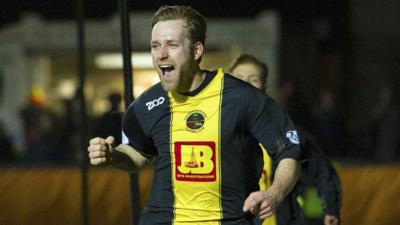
195, 120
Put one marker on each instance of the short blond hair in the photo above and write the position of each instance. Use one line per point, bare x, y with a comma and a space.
195, 23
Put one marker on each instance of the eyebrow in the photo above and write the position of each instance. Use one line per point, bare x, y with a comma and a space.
168, 42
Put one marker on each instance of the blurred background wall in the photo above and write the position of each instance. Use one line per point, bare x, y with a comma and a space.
40, 61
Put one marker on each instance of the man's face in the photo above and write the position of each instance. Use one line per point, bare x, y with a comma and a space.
250, 73
173, 55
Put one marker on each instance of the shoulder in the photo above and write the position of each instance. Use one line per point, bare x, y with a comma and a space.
151, 98
233, 82
148, 108
242, 89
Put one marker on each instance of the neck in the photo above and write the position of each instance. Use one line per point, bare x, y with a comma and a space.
194, 81
198, 78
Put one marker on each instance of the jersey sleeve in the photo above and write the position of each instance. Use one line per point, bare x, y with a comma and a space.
321, 173
133, 134
272, 127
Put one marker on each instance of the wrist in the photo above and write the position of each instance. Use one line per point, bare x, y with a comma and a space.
276, 192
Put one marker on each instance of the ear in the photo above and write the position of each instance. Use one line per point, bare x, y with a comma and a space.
198, 50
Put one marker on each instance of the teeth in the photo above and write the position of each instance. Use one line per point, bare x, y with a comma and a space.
166, 66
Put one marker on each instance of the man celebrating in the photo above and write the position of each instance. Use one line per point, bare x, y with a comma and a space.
202, 127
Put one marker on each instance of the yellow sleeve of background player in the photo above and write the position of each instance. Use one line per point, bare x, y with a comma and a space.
266, 176
266, 181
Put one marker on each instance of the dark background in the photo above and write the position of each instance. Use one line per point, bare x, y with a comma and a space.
349, 47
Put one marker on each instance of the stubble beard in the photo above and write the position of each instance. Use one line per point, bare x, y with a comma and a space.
171, 85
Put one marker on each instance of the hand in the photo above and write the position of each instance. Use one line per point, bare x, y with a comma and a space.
100, 150
263, 203
331, 220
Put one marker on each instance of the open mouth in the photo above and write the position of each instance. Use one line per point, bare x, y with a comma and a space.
167, 70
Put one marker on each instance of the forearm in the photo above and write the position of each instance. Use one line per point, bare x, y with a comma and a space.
328, 186
286, 176
127, 158
331, 198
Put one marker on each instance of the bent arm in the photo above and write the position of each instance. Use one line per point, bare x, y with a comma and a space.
329, 190
264, 203
127, 158
286, 176
321, 173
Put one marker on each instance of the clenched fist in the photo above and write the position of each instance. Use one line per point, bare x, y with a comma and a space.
263, 203
100, 150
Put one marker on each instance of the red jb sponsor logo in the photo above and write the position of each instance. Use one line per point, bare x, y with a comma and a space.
195, 161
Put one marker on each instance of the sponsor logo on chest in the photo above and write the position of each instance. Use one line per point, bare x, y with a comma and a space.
195, 161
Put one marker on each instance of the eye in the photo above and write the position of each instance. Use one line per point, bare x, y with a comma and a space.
154, 46
173, 45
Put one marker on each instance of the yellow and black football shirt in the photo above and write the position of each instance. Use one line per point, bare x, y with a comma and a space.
206, 142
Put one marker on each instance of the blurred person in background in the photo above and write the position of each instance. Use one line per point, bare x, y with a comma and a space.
43, 143
386, 115
109, 124
317, 170
7, 150
330, 123
292, 100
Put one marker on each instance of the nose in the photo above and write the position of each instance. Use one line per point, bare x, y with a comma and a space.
162, 53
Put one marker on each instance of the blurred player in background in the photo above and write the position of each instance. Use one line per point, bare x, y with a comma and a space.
317, 170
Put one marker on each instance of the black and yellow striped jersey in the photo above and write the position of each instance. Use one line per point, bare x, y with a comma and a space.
206, 144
